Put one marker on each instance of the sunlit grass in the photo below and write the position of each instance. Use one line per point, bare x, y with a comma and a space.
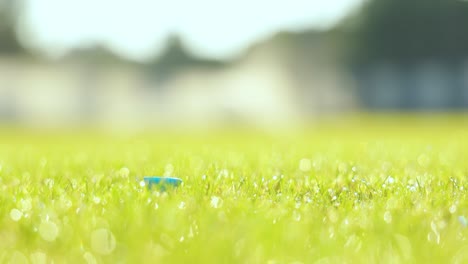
335, 193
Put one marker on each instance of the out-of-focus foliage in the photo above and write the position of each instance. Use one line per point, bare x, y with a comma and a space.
8, 39
176, 58
411, 30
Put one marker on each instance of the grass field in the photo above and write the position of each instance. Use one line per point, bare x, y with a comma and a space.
365, 193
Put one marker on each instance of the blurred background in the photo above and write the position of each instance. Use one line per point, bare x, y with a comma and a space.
152, 63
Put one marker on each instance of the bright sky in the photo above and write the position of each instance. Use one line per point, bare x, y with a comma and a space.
137, 29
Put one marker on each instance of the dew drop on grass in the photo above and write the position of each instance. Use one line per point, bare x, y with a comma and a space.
215, 202
16, 214
66, 203
453, 209
182, 205
25, 205
49, 183
297, 216
390, 180
103, 241
48, 231
96, 200
387, 217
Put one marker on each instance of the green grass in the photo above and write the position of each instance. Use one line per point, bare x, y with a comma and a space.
368, 193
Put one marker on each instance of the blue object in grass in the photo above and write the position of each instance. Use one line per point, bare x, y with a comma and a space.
162, 183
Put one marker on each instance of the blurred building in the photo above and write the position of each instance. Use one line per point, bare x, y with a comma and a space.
281, 80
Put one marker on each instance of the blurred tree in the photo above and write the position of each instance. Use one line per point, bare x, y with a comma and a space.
9, 10
176, 58
410, 30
